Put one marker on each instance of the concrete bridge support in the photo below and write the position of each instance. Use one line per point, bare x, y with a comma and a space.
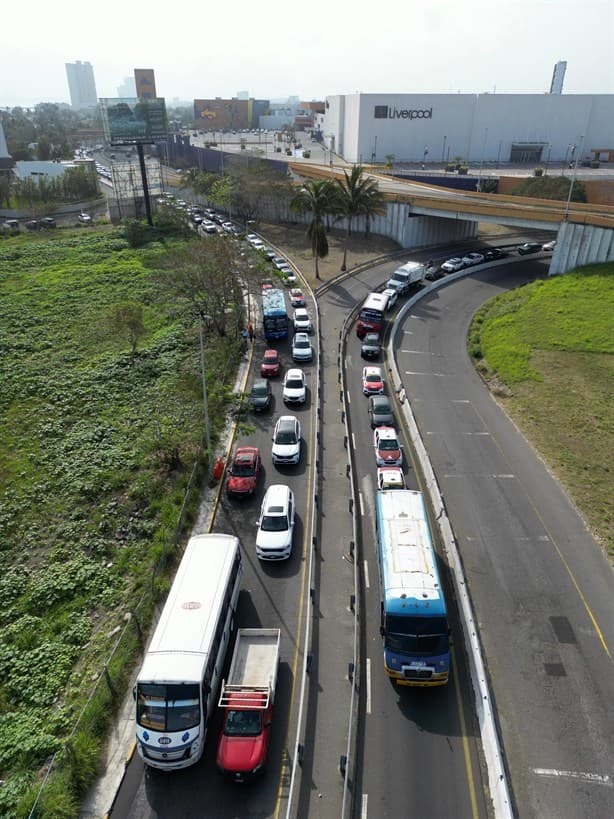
579, 245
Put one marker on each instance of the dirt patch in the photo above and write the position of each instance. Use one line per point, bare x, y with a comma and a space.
292, 241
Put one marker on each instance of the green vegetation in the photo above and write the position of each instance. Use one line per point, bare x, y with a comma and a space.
100, 434
550, 187
548, 351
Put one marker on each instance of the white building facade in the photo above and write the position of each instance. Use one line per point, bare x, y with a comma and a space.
81, 85
501, 128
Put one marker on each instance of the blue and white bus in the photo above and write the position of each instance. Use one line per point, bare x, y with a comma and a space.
274, 313
414, 623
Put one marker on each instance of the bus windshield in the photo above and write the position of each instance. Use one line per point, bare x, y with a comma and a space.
169, 707
417, 635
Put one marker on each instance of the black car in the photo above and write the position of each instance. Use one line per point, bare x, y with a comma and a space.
260, 395
529, 247
49, 222
380, 411
433, 273
32, 224
370, 347
493, 254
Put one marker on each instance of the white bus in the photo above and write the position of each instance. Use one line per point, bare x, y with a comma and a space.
176, 689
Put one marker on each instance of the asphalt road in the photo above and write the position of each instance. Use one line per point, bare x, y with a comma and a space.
541, 587
410, 740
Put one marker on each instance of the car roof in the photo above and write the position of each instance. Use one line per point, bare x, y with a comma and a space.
275, 495
270, 352
372, 371
294, 372
246, 452
380, 399
301, 336
386, 432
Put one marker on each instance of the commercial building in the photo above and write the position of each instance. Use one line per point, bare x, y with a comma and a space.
145, 83
530, 128
81, 85
235, 114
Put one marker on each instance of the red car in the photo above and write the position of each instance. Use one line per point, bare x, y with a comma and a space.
244, 742
372, 380
297, 299
244, 471
388, 451
270, 364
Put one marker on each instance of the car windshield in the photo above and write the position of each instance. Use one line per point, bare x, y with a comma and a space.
274, 523
294, 383
243, 469
285, 436
259, 390
270, 359
388, 443
243, 724
373, 377
301, 342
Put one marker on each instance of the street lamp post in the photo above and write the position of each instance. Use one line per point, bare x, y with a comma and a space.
573, 177
443, 150
205, 402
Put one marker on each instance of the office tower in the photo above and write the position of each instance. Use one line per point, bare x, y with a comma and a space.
81, 85
127, 88
558, 75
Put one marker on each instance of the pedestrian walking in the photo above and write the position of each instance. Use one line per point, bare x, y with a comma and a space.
250, 331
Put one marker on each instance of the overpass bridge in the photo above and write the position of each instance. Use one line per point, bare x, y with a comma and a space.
419, 215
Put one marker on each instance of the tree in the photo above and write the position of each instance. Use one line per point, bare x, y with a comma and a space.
207, 275
357, 195
127, 321
318, 198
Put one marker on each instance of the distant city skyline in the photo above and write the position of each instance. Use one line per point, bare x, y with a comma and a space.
442, 47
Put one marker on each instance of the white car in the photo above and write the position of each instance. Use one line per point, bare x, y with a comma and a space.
207, 227
472, 258
286, 449
279, 262
276, 524
390, 477
452, 265
294, 390
302, 322
549, 246
228, 227
392, 296
301, 347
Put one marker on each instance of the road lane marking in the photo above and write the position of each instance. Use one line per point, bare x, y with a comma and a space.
363, 807
354, 442
368, 674
415, 372
366, 572
465, 739
414, 352
362, 507
597, 779
348, 398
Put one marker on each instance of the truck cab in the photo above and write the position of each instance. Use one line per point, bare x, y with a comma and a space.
405, 276
244, 740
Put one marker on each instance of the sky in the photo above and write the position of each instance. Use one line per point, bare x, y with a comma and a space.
311, 50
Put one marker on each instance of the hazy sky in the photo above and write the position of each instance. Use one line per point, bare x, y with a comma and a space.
309, 49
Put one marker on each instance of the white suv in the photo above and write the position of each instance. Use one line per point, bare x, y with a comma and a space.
276, 524
301, 348
294, 391
286, 447
302, 322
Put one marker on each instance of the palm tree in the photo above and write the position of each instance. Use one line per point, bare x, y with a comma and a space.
316, 198
357, 195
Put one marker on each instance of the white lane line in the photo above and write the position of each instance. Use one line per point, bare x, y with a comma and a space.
413, 372
354, 442
363, 807
414, 352
597, 779
362, 507
349, 400
368, 673
476, 433
461, 401
504, 476
366, 572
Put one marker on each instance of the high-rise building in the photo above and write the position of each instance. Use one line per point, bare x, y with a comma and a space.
81, 85
145, 83
127, 88
558, 75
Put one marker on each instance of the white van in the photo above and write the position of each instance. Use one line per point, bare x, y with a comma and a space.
406, 275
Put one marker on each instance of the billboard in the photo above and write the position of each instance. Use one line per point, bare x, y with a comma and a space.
127, 121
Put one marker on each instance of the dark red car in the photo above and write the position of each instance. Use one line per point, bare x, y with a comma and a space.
270, 364
244, 471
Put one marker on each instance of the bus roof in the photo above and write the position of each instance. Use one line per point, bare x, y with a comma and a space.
273, 301
375, 301
182, 640
410, 579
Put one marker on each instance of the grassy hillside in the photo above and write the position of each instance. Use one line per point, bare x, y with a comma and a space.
96, 448
548, 350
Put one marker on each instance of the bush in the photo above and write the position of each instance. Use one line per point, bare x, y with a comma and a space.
137, 233
538, 172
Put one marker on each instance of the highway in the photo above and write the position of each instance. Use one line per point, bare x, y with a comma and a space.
541, 587
544, 606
